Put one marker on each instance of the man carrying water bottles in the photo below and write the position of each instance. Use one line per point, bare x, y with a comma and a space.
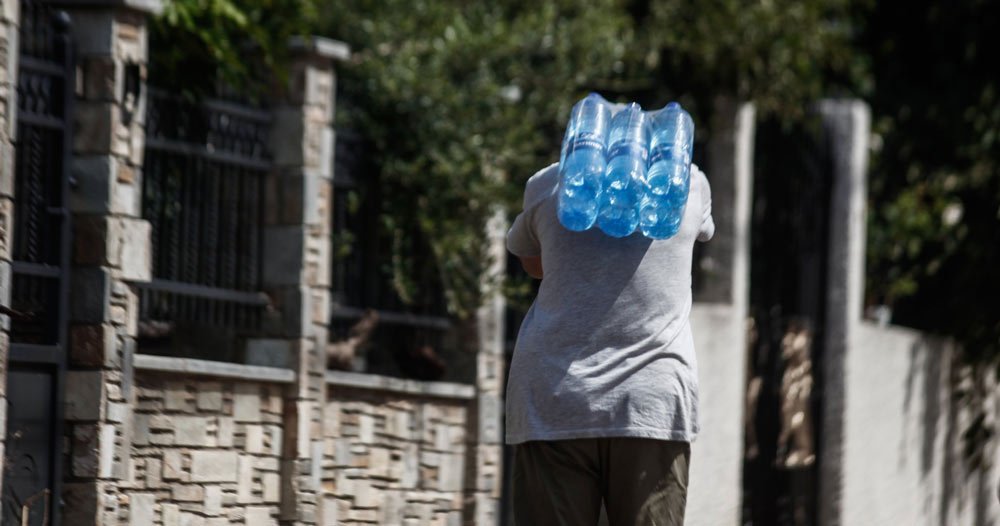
602, 396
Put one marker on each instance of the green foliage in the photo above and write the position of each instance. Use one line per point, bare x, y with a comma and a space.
934, 227
202, 47
461, 103
782, 54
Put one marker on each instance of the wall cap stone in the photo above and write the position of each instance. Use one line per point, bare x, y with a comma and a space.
320, 46
150, 7
399, 385
168, 364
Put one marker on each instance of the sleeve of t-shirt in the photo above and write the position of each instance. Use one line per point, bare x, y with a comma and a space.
707, 228
522, 240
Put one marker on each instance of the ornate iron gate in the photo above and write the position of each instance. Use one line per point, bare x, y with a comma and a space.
787, 299
40, 251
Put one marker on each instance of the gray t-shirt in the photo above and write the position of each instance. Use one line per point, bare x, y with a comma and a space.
606, 348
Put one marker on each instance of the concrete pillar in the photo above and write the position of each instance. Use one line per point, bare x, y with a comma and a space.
484, 482
718, 319
725, 261
9, 17
847, 124
111, 249
296, 261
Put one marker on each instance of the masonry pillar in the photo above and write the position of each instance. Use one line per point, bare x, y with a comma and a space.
9, 17
484, 480
111, 250
847, 124
296, 264
718, 318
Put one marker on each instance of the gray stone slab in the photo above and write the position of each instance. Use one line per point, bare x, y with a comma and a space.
214, 466
398, 385
216, 369
141, 509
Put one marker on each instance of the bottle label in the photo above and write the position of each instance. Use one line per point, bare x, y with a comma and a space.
585, 141
632, 149
663, 152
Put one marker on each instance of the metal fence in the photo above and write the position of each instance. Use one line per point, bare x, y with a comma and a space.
203, 193
409, 341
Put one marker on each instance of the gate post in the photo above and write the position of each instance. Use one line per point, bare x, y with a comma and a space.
110, 248
9, 17
847, 124
296, 266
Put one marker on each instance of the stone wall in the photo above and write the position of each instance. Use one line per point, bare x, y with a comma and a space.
396, 452
9, 16
111, 250
205, 451
903, 458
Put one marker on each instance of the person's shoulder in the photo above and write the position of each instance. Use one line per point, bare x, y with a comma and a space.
698, 177
541, 185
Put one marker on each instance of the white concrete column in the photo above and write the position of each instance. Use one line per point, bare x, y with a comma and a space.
847, 124
718, 320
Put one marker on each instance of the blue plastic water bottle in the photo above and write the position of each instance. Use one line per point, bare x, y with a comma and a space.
582, 163
669, 176
628, 149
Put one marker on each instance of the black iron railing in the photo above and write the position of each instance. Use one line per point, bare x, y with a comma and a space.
203, 193
409, 340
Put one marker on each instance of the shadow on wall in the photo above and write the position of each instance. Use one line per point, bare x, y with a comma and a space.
950, 404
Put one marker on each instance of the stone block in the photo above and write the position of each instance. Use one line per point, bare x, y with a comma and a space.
489, 407
209, 396
136, 250
276, 441
213, 500
173, 465
187, 492
214, 466
6, 166
365, 495
288, 128
258, 516
171, 514
192, 519
100, 77
95, 122
269, 352
254, 442
271, 483
94, 345
176, 396
141, 509
90, 297
85, 395
106, 451
226, 429
95, 190
451, 475
93, 32
246, 402
244, 479
283, 254
190, 430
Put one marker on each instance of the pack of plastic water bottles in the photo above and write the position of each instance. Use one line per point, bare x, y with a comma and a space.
625, 169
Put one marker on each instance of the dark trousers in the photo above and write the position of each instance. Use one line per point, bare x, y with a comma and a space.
642, 482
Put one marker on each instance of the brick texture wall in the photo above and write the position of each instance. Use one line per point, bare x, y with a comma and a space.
205, 452
393, 459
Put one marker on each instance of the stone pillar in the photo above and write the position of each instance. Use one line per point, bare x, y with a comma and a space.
9, 17
484, 480
718, 318
296, 264
847, 124
725, 261
111, 249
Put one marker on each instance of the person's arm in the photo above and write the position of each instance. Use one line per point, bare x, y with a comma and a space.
532, 265
522, 240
